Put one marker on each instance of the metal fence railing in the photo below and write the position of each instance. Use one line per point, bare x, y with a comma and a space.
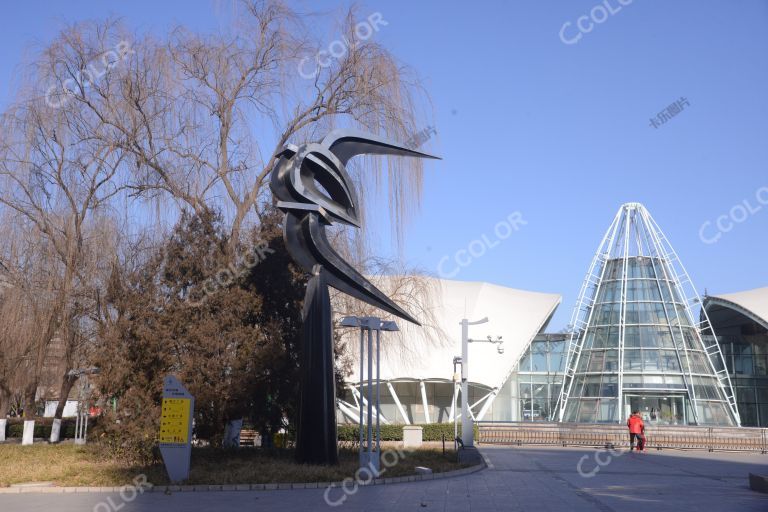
657, 436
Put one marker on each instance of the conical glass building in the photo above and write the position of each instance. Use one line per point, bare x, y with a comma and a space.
640, 339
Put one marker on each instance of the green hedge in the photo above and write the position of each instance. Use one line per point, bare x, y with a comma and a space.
430, 432
43, 427
346, 432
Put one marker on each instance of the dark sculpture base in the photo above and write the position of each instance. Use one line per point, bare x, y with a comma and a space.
316, 436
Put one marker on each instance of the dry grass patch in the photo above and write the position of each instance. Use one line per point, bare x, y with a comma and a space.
64, 464
70, 465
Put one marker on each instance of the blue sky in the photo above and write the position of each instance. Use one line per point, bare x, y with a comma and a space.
558, 132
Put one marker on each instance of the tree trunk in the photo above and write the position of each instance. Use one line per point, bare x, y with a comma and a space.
5, 402
5, 407
28, 403
29, 413
66, 387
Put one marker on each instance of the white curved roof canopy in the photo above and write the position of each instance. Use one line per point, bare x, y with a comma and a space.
421, 353
751, 303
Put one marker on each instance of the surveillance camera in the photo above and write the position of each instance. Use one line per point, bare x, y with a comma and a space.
501, 350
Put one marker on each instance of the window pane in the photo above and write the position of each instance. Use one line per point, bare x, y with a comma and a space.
610, 386
651, 360
632, 337
592, 386
613, 337
632, 360
596, 361
665, 338
649, 337
691, 340
539, 358
607, 410
525, 361
601, 337
587, 411
557, 356
669, 361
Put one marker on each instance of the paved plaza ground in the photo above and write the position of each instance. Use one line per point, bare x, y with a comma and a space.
518, 478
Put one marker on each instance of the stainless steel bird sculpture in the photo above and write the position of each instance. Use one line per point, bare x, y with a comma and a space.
314, 190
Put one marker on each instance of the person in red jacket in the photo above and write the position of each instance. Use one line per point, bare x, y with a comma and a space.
636, 430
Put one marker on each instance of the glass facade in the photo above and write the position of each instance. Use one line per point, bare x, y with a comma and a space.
637, 343
540, 376
663, 356
530, 393
663, 365
744, 343
747, 361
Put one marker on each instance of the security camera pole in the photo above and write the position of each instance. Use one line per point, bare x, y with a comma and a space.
467, 430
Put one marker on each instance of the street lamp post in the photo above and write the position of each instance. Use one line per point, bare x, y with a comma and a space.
81, 421
467, 431
456, 380
368, 457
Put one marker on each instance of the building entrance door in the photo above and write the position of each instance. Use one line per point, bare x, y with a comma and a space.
657, 410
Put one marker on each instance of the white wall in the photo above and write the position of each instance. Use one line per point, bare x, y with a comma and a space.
70, 409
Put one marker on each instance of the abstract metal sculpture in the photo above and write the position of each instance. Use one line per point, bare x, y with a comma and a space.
309, 209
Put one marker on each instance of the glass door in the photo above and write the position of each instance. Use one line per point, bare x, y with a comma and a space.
657, 410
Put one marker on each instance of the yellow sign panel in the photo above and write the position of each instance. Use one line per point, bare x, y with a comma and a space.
174, 422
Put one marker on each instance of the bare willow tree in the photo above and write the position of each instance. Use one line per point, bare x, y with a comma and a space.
16, 345
57, 180
77, 334
112, 121
417, 293
25, 311
204, 116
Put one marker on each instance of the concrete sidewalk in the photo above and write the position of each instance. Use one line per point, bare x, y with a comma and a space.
525, 479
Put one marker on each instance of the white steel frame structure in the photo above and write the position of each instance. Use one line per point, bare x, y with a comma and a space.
632, 241
427, 353
477, 410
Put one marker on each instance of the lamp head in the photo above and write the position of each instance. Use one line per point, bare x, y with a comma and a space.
389, 325
350, 321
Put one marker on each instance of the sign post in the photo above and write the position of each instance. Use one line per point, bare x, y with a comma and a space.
176, 429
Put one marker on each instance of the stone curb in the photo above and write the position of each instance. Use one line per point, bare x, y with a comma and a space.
241, 487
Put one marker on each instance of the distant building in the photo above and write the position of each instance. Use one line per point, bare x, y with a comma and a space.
639, 340
418, 384
741, 323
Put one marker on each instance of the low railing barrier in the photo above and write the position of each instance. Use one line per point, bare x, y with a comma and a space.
657, 436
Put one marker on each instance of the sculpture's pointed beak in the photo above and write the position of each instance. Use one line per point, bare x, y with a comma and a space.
348, 143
